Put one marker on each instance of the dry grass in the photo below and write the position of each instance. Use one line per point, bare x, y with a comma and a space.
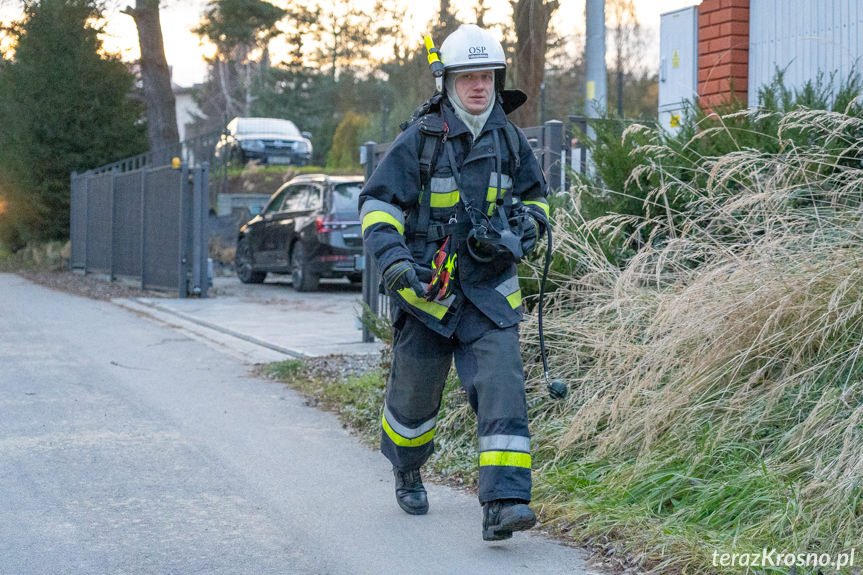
717, 399
221, 251
45, 256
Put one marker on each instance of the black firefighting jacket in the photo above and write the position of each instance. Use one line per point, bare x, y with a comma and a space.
390, 212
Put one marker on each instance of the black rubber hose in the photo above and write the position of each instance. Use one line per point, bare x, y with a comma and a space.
556, 388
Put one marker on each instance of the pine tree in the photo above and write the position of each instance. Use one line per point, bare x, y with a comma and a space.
64, 105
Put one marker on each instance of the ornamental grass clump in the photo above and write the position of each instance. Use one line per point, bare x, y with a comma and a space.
716, 376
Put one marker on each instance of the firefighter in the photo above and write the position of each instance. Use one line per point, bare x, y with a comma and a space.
457, 200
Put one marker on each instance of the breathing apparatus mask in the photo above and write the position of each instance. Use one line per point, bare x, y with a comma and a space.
485, 241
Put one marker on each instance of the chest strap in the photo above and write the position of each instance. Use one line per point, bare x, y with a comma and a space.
458, 230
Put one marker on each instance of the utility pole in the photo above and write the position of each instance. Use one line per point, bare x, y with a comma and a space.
595, 100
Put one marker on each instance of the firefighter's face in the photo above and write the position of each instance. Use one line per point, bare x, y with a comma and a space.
474, 89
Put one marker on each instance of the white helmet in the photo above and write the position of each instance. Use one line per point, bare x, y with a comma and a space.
471, 48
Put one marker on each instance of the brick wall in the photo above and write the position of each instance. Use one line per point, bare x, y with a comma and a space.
723, 51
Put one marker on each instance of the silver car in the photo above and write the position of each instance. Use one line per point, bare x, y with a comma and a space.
264, 140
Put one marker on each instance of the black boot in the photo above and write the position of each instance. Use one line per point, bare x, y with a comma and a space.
410, 493
503, 516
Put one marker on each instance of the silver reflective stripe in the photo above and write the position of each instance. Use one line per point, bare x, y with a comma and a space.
379, 206
504, 443
407, 432
505, 181
508, 287
442, 185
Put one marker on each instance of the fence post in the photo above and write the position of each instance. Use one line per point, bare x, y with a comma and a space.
205, 228
199, 235
579, 159
370, 284
87, 223
553, 144
196, 231
143, 246
182, 280
84, 218
111, 242
74, 218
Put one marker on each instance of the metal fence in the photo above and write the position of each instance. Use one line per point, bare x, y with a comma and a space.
555, 145
144, 222
192, 152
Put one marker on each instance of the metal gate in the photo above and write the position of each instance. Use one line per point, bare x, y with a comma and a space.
146, 224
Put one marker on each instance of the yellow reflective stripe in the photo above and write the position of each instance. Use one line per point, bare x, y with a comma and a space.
372, 218
514, 299
403, 441
541, 203
432, 308
510, 458
491, 198
447, 200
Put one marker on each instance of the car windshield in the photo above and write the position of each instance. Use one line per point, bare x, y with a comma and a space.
267, 126
345, 197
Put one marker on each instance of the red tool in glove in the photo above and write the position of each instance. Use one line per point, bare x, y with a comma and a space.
443, 266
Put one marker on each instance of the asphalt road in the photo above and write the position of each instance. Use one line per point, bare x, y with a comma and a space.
128, 447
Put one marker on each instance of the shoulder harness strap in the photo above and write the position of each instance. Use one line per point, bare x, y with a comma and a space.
513, 142
434, 133
433, 130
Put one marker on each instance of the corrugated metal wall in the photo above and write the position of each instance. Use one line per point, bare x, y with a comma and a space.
807, 36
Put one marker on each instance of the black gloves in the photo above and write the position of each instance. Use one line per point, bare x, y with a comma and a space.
529, 234
401, 275
529, 224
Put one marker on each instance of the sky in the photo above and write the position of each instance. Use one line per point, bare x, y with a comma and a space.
186, 55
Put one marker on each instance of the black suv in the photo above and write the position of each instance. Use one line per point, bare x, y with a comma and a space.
310, 228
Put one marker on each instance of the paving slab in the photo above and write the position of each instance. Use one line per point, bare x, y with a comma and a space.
272, 316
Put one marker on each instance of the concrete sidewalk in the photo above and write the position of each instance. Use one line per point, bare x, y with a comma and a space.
267, 322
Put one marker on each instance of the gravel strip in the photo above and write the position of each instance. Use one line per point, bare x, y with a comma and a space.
86, 285
341, 366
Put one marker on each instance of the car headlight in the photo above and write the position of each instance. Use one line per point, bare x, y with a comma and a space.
303, 147
253, 145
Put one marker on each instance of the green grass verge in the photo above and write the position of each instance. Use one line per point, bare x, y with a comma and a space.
659, 509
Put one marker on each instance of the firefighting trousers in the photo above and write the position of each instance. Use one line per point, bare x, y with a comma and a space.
488, 363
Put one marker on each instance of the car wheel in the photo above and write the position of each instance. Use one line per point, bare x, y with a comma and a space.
243, 265
302, 278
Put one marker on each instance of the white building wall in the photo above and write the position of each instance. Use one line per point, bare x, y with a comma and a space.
804, 37
185, 108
